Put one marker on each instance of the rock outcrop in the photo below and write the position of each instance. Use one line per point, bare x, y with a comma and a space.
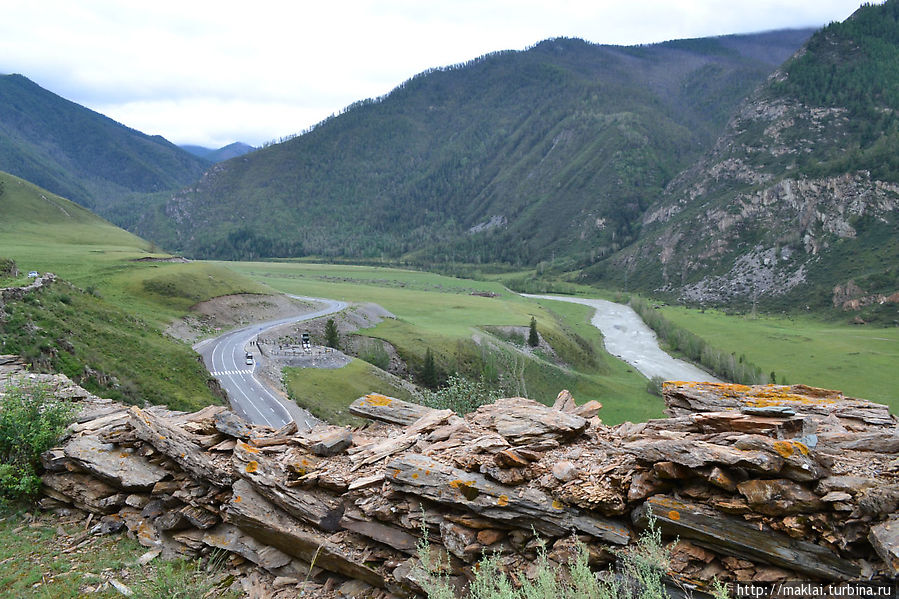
758, 483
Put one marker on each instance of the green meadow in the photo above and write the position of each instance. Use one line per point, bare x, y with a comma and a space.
441, 313
859, 360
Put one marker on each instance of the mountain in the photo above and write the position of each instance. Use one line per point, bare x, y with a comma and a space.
515, 157
798, 201
82, 155
220, 155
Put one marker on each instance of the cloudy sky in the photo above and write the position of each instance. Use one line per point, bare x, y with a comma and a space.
210, 73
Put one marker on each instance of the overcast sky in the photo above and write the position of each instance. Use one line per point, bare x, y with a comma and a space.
210, 73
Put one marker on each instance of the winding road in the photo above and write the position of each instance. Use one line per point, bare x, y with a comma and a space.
225, 357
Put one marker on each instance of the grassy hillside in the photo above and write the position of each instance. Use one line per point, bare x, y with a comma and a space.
513, 157
440, 313
102, 323
82, 155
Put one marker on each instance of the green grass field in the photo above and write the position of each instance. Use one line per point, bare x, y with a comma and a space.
861, 361
327, 392
441, 313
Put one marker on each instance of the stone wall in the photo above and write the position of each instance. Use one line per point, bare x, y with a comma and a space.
761, 483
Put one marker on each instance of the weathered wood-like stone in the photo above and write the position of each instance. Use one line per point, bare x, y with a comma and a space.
120, 466
779, 497
253, 514
54, 460
737, 537
230, 538
683, 399
800, 462
696, 454
329, 442
171, 441
268, 477
564, 402
588, 410
884, 537
740, 421
388, 409
85, 491
522, 421
391, 536
229, 423
428, 478
644, 484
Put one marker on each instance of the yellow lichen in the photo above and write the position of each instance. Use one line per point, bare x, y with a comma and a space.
253, 466
784, 448
246, 447
376, 399
466, 488
558, 505
674, 515
502, 500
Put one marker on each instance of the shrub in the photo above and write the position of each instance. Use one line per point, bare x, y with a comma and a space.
373, 352
460, 395
639, 575
31, 421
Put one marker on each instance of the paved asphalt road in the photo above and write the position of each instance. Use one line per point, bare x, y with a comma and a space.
225, 357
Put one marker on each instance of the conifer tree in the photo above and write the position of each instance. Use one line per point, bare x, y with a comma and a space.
533, 338
429, 371
331, 338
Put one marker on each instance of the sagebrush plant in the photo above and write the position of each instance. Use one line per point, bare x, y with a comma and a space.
31, 421
639, 574
461, 395
187, 579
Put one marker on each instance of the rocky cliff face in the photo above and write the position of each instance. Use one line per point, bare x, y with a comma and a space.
764, 483
752, 220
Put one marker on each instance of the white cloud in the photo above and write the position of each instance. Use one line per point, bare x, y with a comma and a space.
214, 72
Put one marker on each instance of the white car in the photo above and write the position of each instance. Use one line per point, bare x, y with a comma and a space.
249, 359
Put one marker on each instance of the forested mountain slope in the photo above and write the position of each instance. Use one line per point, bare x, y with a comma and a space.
799, 200
513, 157
82, 155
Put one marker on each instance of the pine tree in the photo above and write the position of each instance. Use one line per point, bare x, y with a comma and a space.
331, 338
533, 338
429, 371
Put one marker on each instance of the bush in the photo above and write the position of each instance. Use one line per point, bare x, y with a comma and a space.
373, 352
460, 395
31, 421
639, 575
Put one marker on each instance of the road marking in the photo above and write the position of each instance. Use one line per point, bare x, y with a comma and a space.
231, 372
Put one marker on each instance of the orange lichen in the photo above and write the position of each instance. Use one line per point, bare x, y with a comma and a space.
502, 500
466, 488
558, 505
237, 499
246, 447
396, 473
253, 466
674, 515
376, 399
415, 475
784, 448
